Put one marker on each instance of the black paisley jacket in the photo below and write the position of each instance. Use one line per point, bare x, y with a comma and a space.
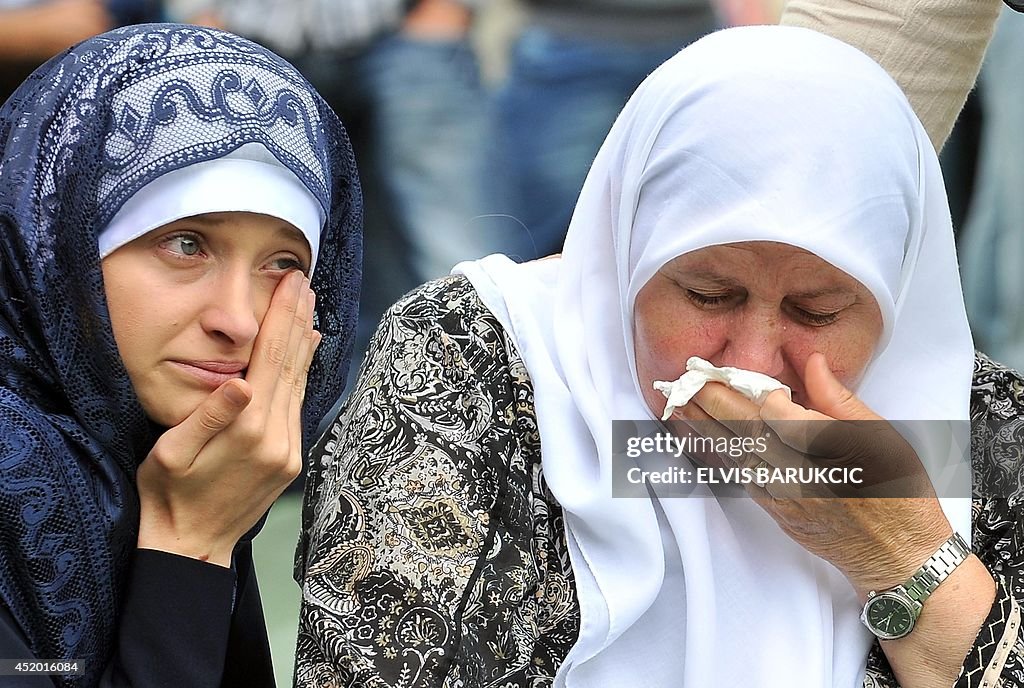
435, 555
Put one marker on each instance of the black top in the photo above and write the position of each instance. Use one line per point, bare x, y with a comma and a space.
184, 623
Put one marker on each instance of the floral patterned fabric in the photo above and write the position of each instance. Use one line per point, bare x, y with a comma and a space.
436, 556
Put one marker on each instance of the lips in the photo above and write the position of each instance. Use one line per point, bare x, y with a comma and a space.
211, 374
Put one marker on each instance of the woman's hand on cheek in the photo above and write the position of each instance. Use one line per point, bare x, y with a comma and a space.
876, 524
208, 480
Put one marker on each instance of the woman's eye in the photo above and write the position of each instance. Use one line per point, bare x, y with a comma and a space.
817, 319
184, 244
289, 263
702, 299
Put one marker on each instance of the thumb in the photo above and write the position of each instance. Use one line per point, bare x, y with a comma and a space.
181, 444
828, 395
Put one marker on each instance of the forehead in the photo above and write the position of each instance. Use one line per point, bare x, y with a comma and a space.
753, 262
229, 220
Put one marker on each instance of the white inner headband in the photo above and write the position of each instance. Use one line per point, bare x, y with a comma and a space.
250, 180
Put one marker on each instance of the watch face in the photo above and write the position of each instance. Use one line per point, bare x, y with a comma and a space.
889, 616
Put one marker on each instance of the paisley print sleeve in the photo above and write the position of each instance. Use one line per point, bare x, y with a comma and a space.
997, 462
435, 555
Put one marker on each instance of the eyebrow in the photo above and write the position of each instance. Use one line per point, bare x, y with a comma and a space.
290, 232
712, 277
721, 281
284, 231
204, 219
828, 291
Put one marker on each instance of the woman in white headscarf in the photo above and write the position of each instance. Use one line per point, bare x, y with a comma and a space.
767, 200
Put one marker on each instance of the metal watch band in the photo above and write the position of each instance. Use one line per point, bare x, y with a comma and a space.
951, 554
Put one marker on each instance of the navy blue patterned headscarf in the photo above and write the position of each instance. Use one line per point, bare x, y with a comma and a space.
83, 134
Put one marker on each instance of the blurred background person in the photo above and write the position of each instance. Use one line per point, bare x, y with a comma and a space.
571, 69
992, 240
404, 78
32, 32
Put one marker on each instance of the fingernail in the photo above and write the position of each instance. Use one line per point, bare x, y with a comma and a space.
235, 395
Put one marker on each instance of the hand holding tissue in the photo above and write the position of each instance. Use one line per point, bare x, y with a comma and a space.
754, 386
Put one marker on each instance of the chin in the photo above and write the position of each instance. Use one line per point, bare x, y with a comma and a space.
171, 414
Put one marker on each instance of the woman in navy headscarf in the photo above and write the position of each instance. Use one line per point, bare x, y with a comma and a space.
164, 192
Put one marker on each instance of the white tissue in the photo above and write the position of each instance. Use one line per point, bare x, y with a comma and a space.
754, 386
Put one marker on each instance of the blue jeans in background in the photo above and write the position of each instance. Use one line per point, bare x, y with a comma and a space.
416, 112
992, 245
560, 99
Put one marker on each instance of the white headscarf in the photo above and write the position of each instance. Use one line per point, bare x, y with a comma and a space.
753, 134
249, 179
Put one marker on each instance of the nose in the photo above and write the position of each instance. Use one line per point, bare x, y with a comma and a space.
229, 314
755, 342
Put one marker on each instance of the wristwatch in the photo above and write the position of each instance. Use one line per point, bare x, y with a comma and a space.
892, 613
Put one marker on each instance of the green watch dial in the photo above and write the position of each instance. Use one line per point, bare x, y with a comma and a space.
890, 617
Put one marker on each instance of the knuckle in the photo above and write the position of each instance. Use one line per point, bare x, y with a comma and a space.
299, 388
288, 373
160, 457
290, 306
249, 431
214, 418
274, 453
275, 352
848, 400
293, 468
749, 427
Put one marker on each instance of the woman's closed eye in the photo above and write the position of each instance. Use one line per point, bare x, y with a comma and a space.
812, 317
710, 299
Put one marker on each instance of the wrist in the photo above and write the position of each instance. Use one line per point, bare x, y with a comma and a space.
890, 566
945, 633
893, 613
162, 540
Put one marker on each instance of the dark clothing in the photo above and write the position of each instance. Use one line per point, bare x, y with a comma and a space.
177, 628
80, 138
630, 21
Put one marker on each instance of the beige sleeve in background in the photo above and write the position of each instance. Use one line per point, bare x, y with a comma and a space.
932, 48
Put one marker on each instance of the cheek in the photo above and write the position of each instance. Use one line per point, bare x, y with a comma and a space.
852, 356
263, 294
662, 344
143, 320
128, 321
847, 352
